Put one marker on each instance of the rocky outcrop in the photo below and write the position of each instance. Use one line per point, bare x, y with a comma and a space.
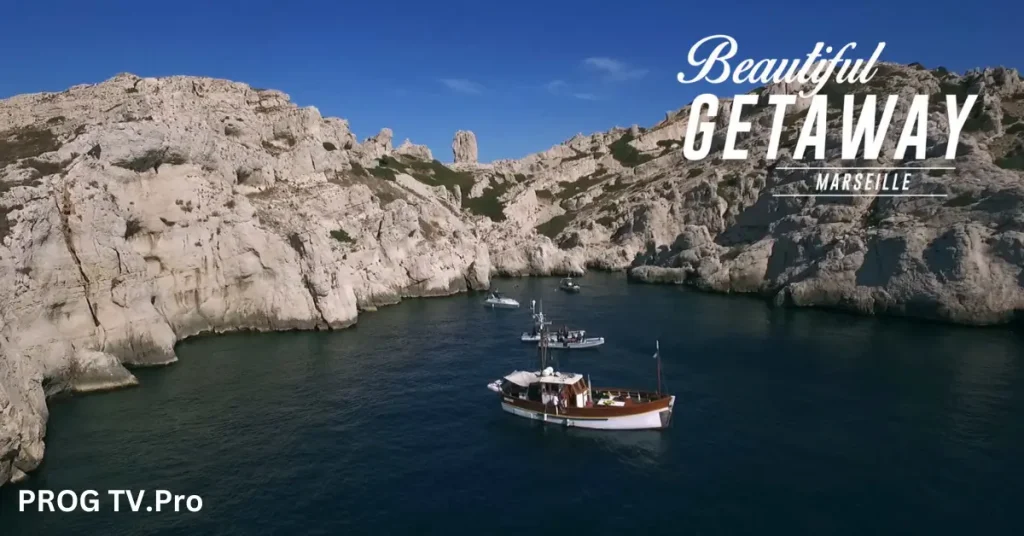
418, 152
378, 145
627, 199
138, 212
464, 147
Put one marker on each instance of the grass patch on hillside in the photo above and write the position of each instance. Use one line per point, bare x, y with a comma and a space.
386, 193
44, 168
152, 159
26, 142
274, 147
385, 173
554, 226
434, 173
961, 200
386, 169
977, 121
626, 154
6, 186
617, 186
295, 241
581, 185
359, 171
731, 180
341, 236
488, 204
730, 188
132, 227
1013, 160
5, 226
393, 163
960, 88
578, 156
667, 146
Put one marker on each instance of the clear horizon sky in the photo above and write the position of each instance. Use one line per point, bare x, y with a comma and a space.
522, 75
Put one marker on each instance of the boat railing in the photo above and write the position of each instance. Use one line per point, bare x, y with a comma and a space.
632, 393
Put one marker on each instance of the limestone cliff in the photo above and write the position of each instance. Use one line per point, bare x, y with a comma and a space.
137, 212
628, 199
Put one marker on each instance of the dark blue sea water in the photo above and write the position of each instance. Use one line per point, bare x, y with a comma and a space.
787, 422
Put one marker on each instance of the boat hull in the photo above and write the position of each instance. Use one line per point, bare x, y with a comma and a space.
658, 417
501, 305
554, 344
581, 345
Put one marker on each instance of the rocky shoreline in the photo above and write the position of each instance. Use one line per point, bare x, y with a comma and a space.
137, 212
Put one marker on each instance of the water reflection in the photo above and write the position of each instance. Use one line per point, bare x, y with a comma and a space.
640, 447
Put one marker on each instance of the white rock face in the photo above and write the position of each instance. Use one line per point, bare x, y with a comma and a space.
464, 147
379, 145
419, 152
137, 212
626, 199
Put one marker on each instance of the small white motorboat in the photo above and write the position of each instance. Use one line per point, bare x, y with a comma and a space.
575, 343
565, 339
497, 301
569, 285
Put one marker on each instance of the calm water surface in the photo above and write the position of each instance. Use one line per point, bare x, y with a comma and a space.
787, 422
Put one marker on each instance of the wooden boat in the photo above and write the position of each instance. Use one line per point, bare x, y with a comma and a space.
568, 399
564, 339
569, 285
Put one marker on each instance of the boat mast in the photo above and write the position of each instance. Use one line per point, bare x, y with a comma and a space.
657, 355
542, 347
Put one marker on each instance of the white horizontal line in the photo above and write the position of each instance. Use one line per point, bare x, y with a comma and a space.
878, 168
861, 195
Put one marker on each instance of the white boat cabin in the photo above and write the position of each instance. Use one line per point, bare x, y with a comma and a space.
562, 389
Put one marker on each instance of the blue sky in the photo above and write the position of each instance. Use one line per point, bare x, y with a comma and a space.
523, 75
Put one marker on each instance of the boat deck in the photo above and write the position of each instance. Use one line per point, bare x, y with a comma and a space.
623, 397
